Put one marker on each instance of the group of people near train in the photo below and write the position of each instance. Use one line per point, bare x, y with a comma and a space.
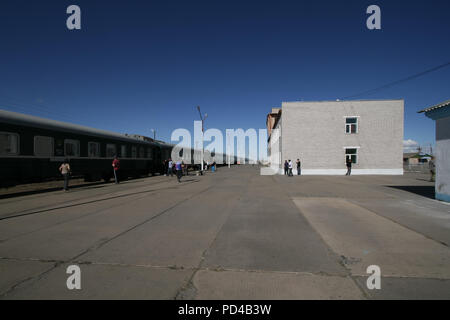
177, 167
65, 171
170, 168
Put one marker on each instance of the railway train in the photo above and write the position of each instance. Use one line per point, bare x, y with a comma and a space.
33, 148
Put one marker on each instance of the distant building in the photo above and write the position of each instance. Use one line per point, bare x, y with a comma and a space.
441, 113
323, 135
415, 158
411, 158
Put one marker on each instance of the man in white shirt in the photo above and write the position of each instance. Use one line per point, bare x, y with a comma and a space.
170, 168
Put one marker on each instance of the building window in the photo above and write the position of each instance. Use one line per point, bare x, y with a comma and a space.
43, 146
351, 125
110, 150
94, 149
133, 152
9, 143
123, 151
352, 154
71, 148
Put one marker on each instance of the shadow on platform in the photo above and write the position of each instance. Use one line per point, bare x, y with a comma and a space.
52, 189
424, 191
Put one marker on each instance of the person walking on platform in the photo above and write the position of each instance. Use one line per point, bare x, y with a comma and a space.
179, 168
116, 168
170, 168
65, 171
286, 167
349, 167
299, 167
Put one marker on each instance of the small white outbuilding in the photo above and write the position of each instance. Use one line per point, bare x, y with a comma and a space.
441, 113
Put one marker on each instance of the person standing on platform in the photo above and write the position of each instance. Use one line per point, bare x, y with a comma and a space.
299, 167
179, 168
116, 168
349, 167
65, 171
286, 167
170, 168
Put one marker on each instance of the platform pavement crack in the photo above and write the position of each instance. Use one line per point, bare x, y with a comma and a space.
330, 250
91, 213
81, 189
185, 291
29, 280
101, 244
82, 203
35, 278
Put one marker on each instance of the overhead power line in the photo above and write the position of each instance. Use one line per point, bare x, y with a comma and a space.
372, 91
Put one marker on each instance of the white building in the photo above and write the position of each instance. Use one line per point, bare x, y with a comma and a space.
324, 134
441, 113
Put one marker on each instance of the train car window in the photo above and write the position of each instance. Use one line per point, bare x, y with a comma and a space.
9, 143
93, 149
150, 153
141, 152
43, 146
123, 151
133, 152
111, 150
71, 148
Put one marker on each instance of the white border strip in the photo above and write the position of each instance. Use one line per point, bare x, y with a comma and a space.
340, 172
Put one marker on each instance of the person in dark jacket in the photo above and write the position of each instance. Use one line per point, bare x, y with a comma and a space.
349, 167
286, 167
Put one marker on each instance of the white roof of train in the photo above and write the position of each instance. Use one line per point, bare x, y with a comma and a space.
42, 123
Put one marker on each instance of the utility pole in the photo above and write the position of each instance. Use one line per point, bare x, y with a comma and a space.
228, 151
154, 134
202, 118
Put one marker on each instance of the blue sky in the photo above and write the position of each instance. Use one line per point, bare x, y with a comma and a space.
138, 65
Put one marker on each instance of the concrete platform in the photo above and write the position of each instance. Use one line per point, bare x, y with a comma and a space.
232, 234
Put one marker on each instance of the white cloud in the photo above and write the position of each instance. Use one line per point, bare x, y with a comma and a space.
410, 145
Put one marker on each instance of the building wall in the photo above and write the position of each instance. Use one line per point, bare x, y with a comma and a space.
275, 147
443, 159
315, 133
